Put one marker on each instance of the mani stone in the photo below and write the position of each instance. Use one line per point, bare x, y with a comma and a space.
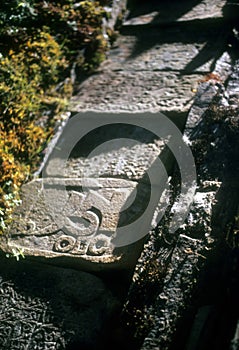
74, 234
95, 214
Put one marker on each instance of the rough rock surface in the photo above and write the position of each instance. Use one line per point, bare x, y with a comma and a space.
44, 307
201, 240
44, 225
151, 68
170, 12
115, 13
156, 69
76, 219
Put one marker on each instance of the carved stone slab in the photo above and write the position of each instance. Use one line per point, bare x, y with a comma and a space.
92, 207
61, 220
45, 224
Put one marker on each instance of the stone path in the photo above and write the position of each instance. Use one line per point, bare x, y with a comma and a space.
157, 68
150, 69
163, 12
162, 62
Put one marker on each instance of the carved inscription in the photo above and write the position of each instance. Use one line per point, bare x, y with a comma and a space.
99, 245
64, 217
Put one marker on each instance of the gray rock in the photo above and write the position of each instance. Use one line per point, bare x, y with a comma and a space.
154, 69
135, 92
150, 68
235, 341
92, 219
232, 90
170, 265
115, 13
44, 225
45, 307
208, 90
174, 11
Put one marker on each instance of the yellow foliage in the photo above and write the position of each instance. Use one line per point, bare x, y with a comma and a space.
27, 80
31, 66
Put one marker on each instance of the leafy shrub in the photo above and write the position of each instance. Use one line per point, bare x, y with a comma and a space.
27, 81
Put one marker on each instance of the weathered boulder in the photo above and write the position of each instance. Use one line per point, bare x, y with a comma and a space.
45, 307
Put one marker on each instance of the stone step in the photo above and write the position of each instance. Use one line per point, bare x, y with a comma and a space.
153, 70
169, 12
136, 92
168, 49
